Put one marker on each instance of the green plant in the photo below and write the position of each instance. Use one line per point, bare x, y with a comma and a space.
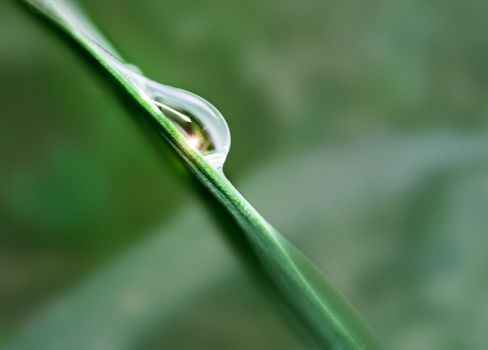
315, 301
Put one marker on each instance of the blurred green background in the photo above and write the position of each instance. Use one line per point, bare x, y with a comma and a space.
359, 130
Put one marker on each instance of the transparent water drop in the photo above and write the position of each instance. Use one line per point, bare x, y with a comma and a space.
202, 125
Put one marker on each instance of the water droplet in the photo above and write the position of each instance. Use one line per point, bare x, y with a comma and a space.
200, 122
202, 125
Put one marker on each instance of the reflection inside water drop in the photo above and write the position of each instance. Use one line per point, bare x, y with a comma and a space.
197, 135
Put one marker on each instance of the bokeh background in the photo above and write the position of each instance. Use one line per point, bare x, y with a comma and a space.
359, 130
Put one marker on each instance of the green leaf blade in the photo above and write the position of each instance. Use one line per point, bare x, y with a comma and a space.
320, 307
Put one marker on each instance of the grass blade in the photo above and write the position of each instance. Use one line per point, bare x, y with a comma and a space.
323, 311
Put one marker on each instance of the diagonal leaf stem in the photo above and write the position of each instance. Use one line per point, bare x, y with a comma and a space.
320, 307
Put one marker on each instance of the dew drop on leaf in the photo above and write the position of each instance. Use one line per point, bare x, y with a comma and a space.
202, 125
200, 122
